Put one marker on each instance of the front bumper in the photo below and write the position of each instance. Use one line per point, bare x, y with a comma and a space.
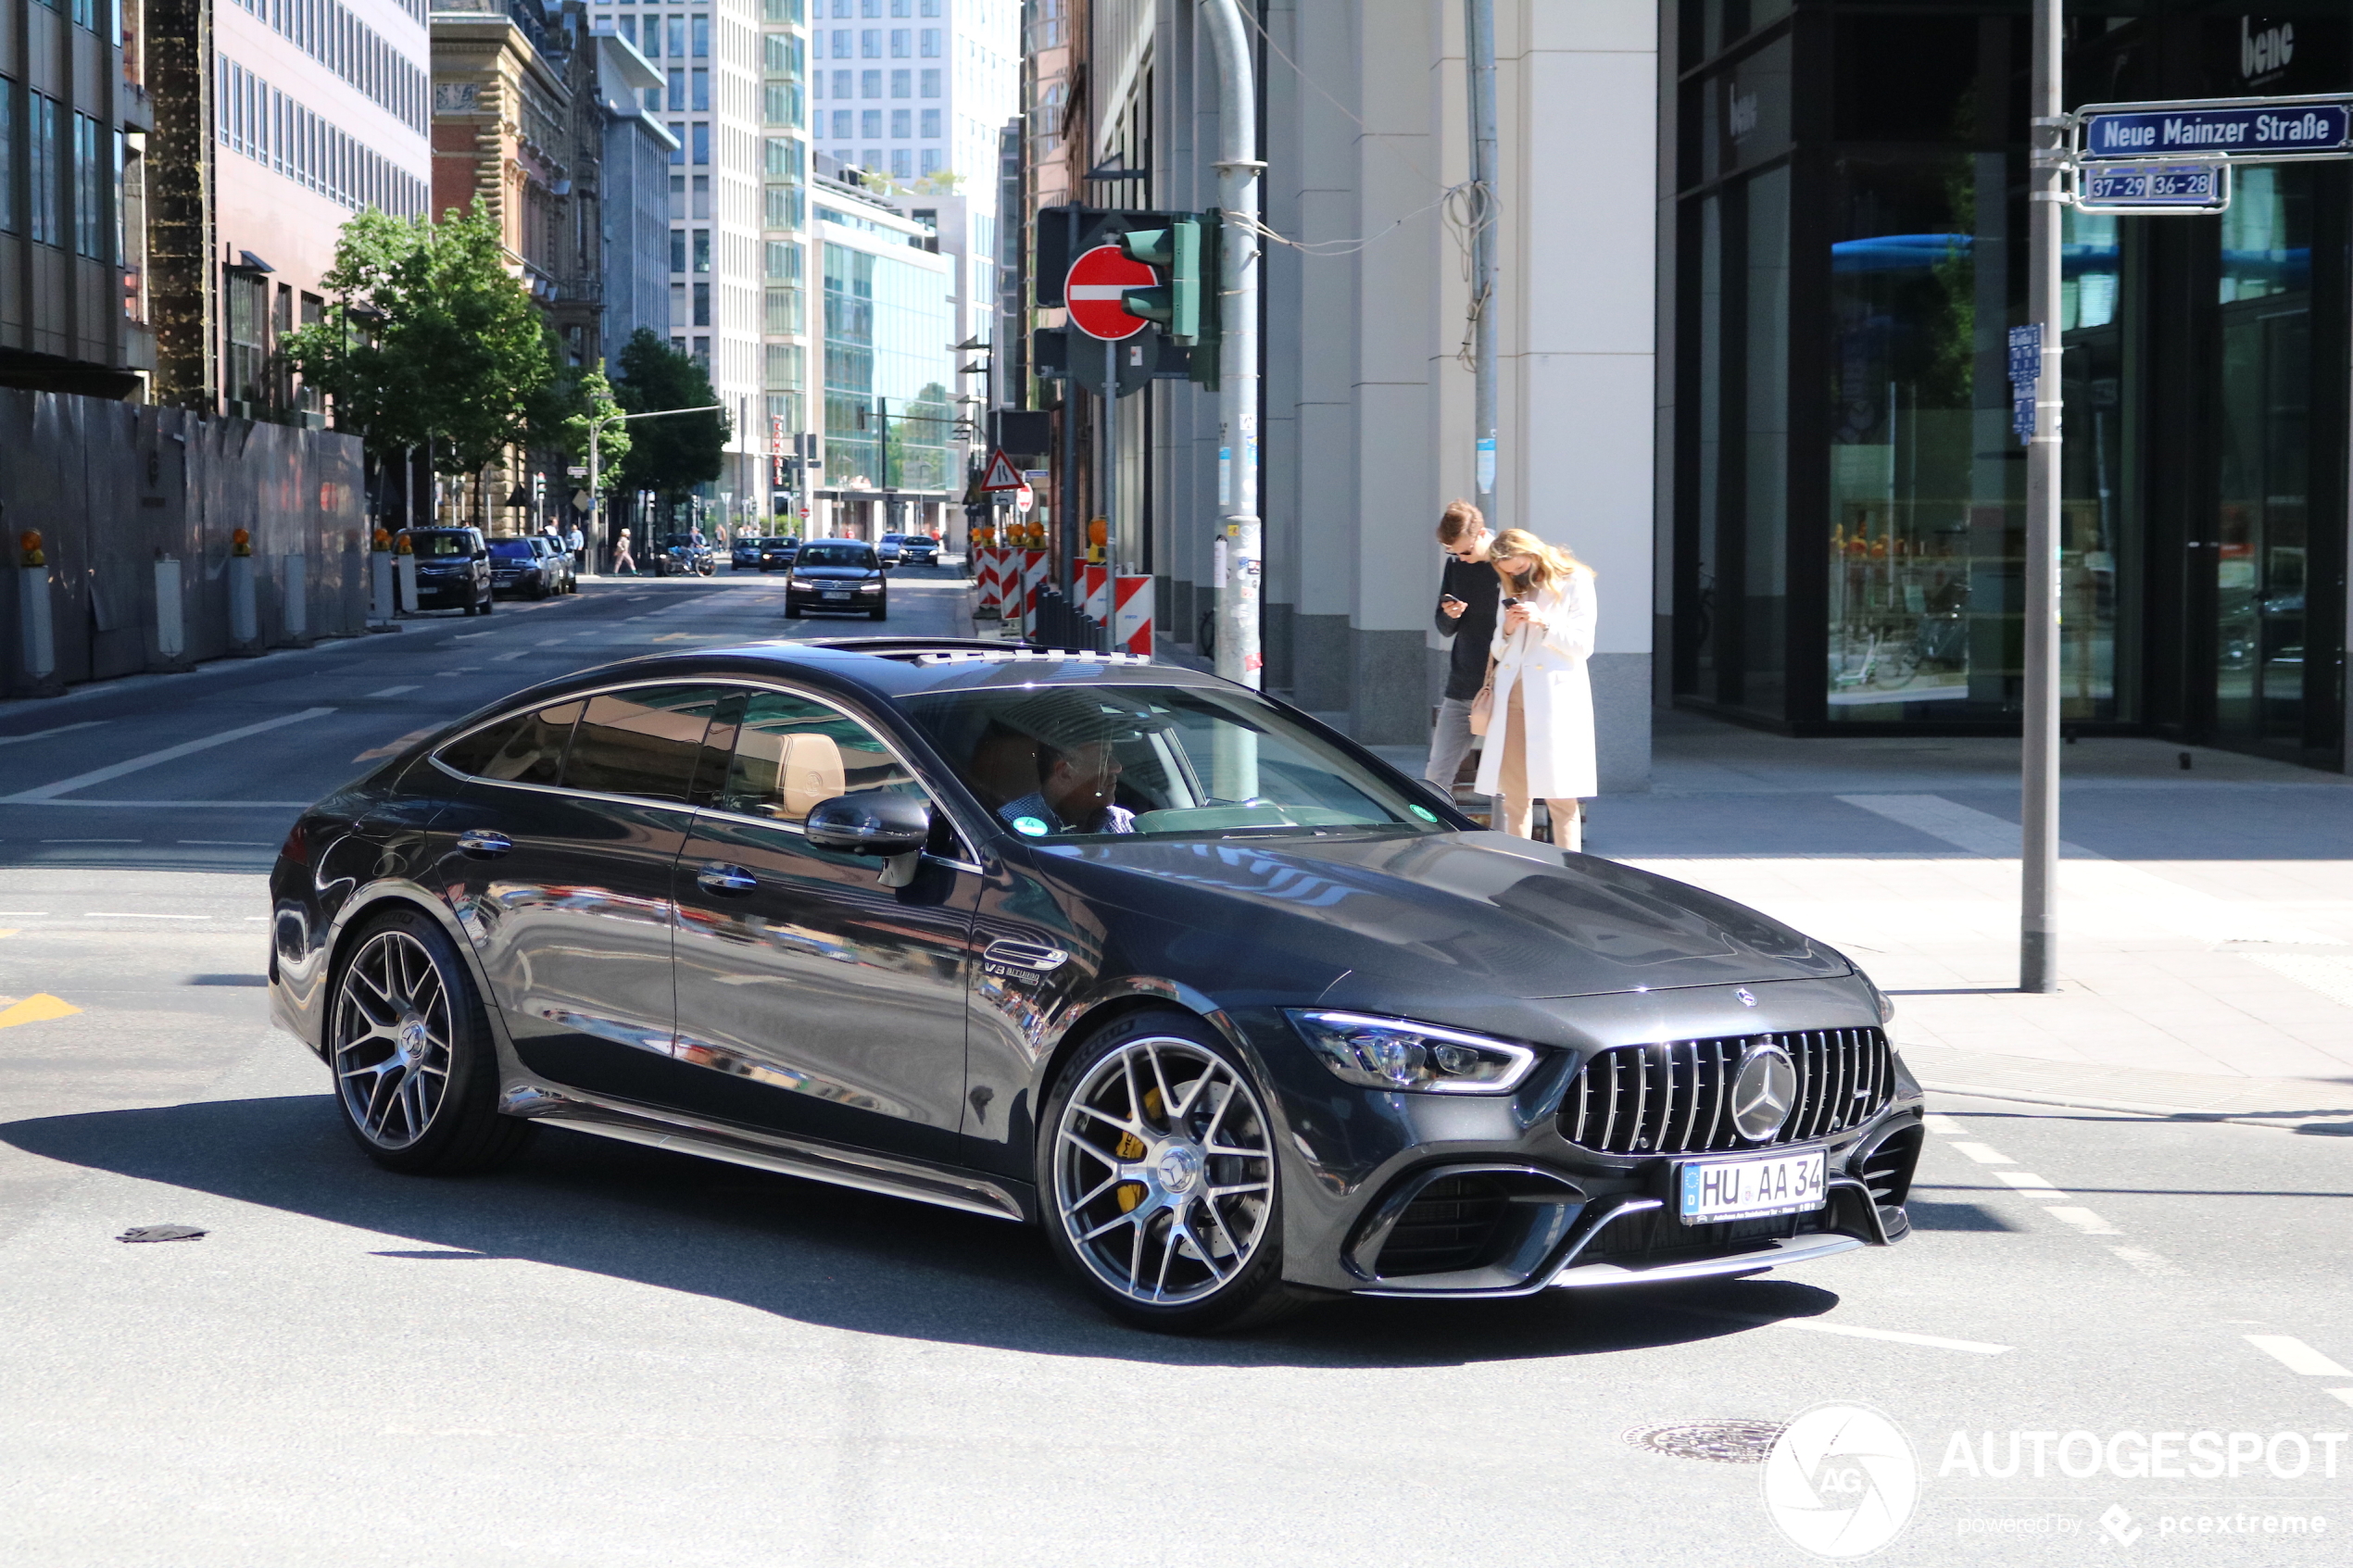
447, 592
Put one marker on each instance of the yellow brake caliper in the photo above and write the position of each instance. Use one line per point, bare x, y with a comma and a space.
1131, 1148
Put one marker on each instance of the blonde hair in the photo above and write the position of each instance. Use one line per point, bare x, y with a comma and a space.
1552, 561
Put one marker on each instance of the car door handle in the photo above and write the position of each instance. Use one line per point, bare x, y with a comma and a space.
727, 879
485, 845
1034, 955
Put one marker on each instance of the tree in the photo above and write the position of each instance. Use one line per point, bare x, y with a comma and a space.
577, 399
674, 455
434, 346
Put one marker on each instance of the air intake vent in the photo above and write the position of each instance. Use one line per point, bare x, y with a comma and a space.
1446, 1227
1677, 1098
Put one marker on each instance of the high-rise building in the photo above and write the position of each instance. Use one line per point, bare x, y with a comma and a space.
785, 410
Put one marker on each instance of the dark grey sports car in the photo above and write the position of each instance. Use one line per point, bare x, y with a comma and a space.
1237, 1012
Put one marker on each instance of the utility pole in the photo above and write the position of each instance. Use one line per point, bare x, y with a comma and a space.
2039, 748
1479, 26
1239, 529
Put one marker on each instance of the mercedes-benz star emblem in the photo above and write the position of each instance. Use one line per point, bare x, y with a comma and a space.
1763, 1092
1747, 998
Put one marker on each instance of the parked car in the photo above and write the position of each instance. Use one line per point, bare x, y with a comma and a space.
838, 574
683, 555
563, 578
776, 553
1231, 1009
888, 547
744, 554
453, 568
519, 569
918, 549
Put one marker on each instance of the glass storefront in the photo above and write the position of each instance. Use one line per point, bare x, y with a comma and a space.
1848, 524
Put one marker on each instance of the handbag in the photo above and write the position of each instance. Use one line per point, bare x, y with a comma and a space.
1482, 708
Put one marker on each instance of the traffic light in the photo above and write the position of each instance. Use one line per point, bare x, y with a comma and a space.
1175, 304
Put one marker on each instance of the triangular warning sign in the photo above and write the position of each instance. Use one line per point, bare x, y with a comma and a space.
1002, 474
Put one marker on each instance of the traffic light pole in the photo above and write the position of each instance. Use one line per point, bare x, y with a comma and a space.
1478, 24
1238, 654
2039, 751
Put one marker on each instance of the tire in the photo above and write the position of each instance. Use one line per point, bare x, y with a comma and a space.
1210, 1167
880, 613
792, 612
470, 609
403, 1001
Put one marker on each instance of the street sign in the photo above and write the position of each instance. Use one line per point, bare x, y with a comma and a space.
1024, 498
2026, 373
2246, 130
2140, 188
1094, 291
1002, 474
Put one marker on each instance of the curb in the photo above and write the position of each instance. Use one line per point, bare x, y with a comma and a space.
2294, 1122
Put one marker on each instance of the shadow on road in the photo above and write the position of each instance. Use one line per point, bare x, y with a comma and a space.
807, 1251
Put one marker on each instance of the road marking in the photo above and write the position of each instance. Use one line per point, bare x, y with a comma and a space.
93, 841
392, 691
1936, 1342
551, 641
2025, 1181
60, 730
189, 805
2293, 1354
468, 636
2344, 1393
232, 842
154, 759
7, 931
1937, 1121
119, 914
1984, 1154
36, 1010
24, 914
2084, 1219
503, 657
2147, 1262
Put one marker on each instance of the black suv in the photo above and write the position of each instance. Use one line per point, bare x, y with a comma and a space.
453, 568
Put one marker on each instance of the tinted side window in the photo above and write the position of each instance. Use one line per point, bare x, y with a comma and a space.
791, 753
527, 748
643, 743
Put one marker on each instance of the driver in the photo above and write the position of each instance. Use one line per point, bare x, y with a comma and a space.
1074, 795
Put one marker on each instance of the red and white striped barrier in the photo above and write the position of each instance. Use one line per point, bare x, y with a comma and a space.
989, 600
1034, 567
1131, 627
1095, 592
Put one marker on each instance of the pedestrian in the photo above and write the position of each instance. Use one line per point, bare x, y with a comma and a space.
1466, 597
574, 540
1539, 743
621, 559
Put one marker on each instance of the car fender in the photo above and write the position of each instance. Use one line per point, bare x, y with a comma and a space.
405, 893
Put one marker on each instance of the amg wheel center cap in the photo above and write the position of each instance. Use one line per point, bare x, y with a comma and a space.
1763, 1092
413, 1038
1179, 1167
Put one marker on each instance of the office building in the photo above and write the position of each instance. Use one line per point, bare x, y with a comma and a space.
634, 178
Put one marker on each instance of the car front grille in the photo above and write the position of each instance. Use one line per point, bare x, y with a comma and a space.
1676, 1097
1447, 1227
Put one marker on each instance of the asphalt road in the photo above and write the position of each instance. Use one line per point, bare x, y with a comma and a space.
610, 1355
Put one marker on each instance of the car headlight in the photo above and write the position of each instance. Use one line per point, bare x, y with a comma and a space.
1396, 1053
870, 587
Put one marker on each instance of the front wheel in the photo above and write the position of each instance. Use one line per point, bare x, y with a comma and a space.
1160, 1182
416, 1076
880, 613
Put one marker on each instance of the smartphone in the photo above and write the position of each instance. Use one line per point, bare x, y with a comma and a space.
1510, 599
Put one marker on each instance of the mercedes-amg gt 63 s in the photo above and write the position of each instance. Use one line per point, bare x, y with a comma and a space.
1239, 1015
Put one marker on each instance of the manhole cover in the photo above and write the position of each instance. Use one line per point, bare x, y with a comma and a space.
1731, 1441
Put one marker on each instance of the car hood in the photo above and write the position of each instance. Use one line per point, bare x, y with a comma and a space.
1449, 912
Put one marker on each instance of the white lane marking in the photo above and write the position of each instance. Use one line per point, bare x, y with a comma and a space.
392, 691
189, 805
93, 841
2147, 1262
2297, 1356
1984, 1154
117, 914
1937, 1121
468, 636
21, 914
502, 659
2084, 1219
2025, 1181
551, 641
2344, 1393
1937, 1342
154, 759
44, 735
231, 842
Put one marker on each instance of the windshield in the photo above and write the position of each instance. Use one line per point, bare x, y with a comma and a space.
512, 549
441, 545
1071, 762
824, 554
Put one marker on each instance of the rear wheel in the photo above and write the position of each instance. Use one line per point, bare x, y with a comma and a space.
416, 1076
1158, 1170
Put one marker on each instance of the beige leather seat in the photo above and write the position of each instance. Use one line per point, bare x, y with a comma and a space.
785, 775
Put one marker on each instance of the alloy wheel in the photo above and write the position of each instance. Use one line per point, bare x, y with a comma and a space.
1164, 1171
392, 1033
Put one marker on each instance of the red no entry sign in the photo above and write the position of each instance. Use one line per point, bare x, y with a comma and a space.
1092, 291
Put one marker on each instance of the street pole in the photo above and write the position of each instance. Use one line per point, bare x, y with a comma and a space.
2038, 753
1073, 594
1239, 655
1478, 24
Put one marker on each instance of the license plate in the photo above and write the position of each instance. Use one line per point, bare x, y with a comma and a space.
1750, 1188
830, 593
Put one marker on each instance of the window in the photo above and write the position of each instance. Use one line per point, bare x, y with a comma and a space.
643, 743
703, 141
780, 103
842, 49
783, 261
248, 302
783, 157
784, 10
931, 43
898, 42
677, 300
900, 83
702, 249
703, 350
781, 54
929, 162
816, 86
870, 43
931, 7
931, 82
701, 95
702, 305
901, 122
677, 250
931, 123
841, 84
869, 8
783, 316
629, 32
528, 748
702, 195
868, 84
841, 126
7, 156
903, 164
871, 123
784, 360
677, 37
702, 38
677, 194
677, 87
793, 755
903, 8
678, 134
41, 129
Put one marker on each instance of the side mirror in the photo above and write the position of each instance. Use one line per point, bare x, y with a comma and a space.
871, 821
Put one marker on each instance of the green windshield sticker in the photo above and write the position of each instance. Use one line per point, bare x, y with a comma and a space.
1036, 829
1424, 813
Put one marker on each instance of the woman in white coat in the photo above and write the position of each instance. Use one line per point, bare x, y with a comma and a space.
1540, 740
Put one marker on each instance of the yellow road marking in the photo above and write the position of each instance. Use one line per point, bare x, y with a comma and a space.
36, 1010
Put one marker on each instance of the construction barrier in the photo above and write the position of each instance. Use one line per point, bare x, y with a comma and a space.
1132, 616
1034, 568
1094, 592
